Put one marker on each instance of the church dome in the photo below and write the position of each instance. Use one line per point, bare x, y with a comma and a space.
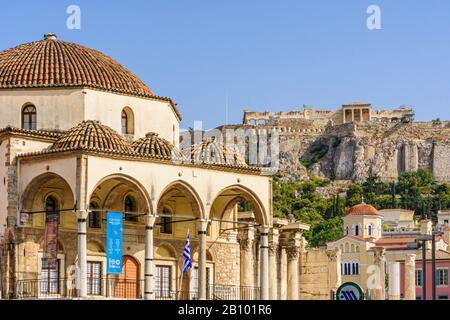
209, 151
154, 146
52, 63
92, 135
363, 210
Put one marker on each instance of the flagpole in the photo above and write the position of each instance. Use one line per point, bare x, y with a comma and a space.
182, 272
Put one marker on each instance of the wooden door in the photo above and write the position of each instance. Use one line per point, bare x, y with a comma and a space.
127, 283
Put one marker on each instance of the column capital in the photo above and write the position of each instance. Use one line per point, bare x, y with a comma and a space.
82, 214
202, 225
379, 254
264, 230
150, 220
292, 252
410, 259
333, 254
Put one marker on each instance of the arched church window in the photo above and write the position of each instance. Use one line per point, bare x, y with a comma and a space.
346, 230
29, 117
127, 121
356, 230
370, 229
130, 209
95, 216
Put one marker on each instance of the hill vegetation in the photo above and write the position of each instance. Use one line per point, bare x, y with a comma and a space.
413, 190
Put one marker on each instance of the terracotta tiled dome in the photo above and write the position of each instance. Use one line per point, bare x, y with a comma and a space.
92, 135
55, 63
363, 210
211, 152
154, 146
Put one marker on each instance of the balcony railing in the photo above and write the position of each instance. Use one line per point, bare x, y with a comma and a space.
111, 288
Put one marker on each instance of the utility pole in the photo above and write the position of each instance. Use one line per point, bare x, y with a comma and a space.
433, 266
424, 270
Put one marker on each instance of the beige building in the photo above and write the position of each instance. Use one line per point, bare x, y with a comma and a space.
368, 249
83, 136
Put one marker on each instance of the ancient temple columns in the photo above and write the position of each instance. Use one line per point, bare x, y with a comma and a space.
148, 285
379, 260
202, 229
264, 260
292, 269
410, 274
273, 270
82, 253
394, 281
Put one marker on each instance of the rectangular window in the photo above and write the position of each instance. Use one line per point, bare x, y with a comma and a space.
49, 283
163, 279
95, 219
195, 281
418, 278
94, 278
442, 277
443, 297
166, 225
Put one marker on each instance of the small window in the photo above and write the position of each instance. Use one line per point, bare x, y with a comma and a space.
370, 230
419, 282
29, 117
443, 297
357, 230
95, 216
130, 209
442, 277
127, 121
166, 222
51, 208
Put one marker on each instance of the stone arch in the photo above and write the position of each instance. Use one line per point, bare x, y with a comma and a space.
186, 190
120, 184
96, 246
249, 196
37, 186
61, 246
165, 251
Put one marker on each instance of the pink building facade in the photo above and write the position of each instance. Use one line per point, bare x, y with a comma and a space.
442, 279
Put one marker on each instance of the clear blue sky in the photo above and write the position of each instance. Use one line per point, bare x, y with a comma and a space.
265, 55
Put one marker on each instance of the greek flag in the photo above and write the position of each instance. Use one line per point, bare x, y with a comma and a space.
187, 254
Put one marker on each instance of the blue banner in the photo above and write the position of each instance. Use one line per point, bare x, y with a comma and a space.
114, 242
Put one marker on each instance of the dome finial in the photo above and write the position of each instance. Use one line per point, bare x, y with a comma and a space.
362, 199
50, 36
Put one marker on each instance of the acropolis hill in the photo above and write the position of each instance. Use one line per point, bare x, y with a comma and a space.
356, 142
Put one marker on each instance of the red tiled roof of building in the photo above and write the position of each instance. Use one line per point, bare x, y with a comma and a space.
363, 210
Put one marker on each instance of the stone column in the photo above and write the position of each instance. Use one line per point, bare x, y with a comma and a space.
82, 254
202, 228
292, 272
334, 271
353, 115
283, 274
360, 115
246, 239
148, 285
273, 270
379, 259
264, 263
410, 277
394, 281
